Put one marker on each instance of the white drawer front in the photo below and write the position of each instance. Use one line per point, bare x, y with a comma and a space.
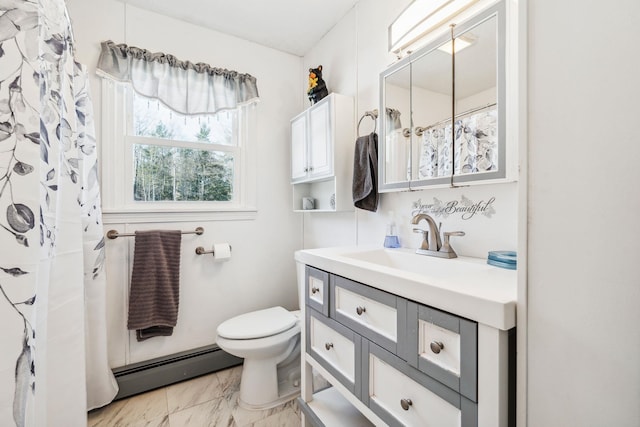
337, 350
388, 387
445, 343
316, 289
374, 315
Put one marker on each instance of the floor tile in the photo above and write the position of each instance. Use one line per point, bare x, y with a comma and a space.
193, 392
246, 417
286, 418
215, 413
150, 407
210, 400
229, 380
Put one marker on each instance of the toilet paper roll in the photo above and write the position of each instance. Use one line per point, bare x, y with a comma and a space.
221, 251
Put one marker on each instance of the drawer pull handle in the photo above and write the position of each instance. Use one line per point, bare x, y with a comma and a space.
328, 346
436, 346
360, 310
314, 290
406, 404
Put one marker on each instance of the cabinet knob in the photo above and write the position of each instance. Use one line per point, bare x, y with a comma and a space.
436, 346
311, 169
328, 346
306, 169
406, 403
360, 310
314, 290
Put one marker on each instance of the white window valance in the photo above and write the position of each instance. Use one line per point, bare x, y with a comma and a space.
183, 86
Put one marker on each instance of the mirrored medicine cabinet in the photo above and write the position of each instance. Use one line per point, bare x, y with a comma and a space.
457, 81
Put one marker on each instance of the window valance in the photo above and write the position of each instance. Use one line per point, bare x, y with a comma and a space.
183, 86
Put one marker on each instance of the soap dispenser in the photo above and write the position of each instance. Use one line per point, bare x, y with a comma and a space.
391, 239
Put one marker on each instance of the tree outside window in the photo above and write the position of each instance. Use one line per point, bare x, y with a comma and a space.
183, 158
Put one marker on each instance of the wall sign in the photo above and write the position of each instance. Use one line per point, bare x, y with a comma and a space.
464, 207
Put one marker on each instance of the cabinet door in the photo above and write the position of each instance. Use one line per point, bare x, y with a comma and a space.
335, 347
374, 314
445, 347
299, 165
405, 397
320, 143
317, 289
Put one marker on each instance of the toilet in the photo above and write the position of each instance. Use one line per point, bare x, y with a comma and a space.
269, 342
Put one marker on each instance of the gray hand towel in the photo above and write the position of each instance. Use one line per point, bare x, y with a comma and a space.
365, 173
155, 283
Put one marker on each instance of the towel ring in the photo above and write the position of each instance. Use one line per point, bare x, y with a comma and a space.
374, 115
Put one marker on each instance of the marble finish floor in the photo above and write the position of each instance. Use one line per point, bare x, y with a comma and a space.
207, 401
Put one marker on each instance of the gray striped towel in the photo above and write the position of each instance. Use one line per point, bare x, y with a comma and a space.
155, 283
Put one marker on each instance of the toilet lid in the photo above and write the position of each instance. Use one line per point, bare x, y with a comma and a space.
257, 324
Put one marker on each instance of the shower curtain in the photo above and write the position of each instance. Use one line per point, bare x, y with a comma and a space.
53, 363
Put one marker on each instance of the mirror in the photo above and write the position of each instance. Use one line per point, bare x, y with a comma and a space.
432, 92
396, 123
427, 91
476, 112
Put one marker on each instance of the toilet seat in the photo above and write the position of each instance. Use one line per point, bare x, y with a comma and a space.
257, 324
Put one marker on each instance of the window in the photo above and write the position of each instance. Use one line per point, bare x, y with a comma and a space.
157, 160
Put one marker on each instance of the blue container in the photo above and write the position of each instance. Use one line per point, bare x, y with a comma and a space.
503, 259
391, 242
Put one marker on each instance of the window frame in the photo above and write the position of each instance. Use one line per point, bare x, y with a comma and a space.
117, 182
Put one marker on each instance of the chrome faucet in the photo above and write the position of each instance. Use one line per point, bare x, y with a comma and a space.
431, 243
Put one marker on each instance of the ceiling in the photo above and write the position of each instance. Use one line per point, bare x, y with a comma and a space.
292, 26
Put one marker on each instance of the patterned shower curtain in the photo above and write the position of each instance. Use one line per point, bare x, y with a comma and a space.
53, 358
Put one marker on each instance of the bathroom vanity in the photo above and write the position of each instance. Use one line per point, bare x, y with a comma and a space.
407, 340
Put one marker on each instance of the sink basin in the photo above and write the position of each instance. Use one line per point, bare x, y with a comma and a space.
466, 286
408, 261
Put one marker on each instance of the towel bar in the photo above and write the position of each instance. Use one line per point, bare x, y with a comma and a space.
113, 234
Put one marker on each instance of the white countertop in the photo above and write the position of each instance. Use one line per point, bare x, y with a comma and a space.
467, 287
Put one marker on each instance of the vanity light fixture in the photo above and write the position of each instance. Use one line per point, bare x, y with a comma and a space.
462, 42
420, 17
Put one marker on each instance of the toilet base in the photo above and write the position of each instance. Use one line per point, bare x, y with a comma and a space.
291, 394
262, 388
287, 388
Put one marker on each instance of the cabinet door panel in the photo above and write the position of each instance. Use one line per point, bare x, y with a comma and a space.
298, 148
321, 161
374, 314
317, 289
336, 348
403, 396
445, 347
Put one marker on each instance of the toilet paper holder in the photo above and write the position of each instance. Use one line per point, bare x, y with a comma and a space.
201, 250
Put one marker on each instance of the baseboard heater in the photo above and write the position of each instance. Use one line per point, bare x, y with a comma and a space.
162, 371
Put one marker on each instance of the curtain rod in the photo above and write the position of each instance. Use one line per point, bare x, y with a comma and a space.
419, 130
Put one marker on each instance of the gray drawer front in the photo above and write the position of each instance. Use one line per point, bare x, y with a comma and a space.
467, 383
355, 386
398, 347
322, 281
469, 409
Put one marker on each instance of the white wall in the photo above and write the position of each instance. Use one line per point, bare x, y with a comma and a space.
261, 272
583, 345
584, 246
353, 54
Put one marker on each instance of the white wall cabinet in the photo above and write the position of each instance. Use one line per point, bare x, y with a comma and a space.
322, 141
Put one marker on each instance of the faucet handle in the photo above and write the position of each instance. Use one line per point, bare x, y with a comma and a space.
425, 238
446, 247
453, 233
